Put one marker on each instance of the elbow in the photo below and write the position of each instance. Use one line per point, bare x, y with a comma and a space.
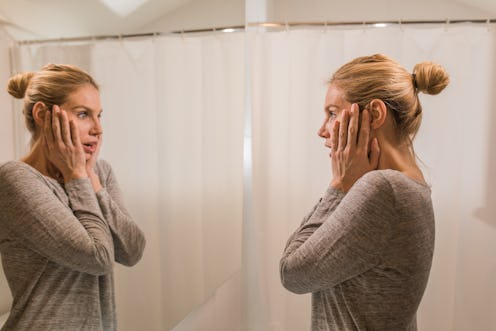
102, 264
132, 254
292, 279
101, 270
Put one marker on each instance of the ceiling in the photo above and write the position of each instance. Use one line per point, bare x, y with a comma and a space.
34, 19
53, 19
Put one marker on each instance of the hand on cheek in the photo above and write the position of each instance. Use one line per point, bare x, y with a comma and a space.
352, 153
91, 162
64, 148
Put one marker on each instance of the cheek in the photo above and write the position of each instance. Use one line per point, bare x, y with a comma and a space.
82, 127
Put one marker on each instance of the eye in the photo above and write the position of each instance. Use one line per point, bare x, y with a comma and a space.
331, 115
82, 114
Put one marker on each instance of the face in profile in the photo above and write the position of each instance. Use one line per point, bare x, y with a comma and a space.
83, 106
335, 103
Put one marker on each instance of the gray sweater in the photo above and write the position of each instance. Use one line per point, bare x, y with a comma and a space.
58, 245
365, 256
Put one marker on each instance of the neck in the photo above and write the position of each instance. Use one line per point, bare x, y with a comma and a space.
400, 157
38, 160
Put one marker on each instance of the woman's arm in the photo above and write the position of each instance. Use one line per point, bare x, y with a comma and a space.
75, 236
129, 241
322, 209
338, 245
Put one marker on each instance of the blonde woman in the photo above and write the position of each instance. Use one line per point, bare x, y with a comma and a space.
61, 212
365, 250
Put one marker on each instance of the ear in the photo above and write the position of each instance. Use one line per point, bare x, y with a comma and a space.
39, 111
378, 113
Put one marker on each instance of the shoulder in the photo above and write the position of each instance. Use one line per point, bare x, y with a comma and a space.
391, 179
18, 178
382, 186
394, 186
377, 181
16, 171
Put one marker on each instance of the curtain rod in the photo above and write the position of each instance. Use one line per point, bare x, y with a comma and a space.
272, 25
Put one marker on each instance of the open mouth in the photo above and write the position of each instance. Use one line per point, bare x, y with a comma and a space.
89, 148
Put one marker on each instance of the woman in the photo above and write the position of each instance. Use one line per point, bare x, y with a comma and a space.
61, 212
365, 250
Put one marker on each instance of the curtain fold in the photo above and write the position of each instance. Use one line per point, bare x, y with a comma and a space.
173, 132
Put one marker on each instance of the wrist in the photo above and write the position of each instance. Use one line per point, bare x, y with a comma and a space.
95, 181
76, 174
339, 185
336, 184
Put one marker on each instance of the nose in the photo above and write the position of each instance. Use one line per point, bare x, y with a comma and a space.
96, 128
323, 132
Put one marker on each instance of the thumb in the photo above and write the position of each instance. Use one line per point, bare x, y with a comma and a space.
375, 151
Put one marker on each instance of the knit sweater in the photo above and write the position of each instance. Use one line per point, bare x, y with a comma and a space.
365, 255
58, 245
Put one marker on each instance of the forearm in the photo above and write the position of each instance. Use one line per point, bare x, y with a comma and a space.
129, 241
294, 255
321, 211
342, 242
95, 180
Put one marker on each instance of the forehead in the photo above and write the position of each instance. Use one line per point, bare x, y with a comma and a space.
335, 96
86, 95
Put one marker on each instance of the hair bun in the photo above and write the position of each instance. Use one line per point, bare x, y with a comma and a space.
18, 84
430, 78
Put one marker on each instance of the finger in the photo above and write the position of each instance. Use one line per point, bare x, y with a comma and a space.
65, 131
353, 126
335, 136
75, 135
375, 152
47, 126
364, 134
343, 130
56, 124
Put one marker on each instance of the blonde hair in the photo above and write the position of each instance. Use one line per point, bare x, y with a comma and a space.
52, 85
379, 77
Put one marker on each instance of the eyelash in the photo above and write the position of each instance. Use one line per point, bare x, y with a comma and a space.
331, 115
84, 114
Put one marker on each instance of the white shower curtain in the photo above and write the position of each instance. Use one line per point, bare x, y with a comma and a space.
173, 132
456, 145
173, 121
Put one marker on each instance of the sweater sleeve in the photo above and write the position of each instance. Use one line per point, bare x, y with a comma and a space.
77, 237
343, 239
129, 240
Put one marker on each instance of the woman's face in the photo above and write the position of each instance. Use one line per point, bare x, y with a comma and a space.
335, 103
84, 108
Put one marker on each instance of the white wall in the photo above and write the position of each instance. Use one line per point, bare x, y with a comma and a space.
365, 10
200, 15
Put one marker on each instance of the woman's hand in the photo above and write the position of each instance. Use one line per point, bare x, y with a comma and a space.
64, 148
352, 154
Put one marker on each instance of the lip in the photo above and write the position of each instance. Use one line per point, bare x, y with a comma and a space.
90, 147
